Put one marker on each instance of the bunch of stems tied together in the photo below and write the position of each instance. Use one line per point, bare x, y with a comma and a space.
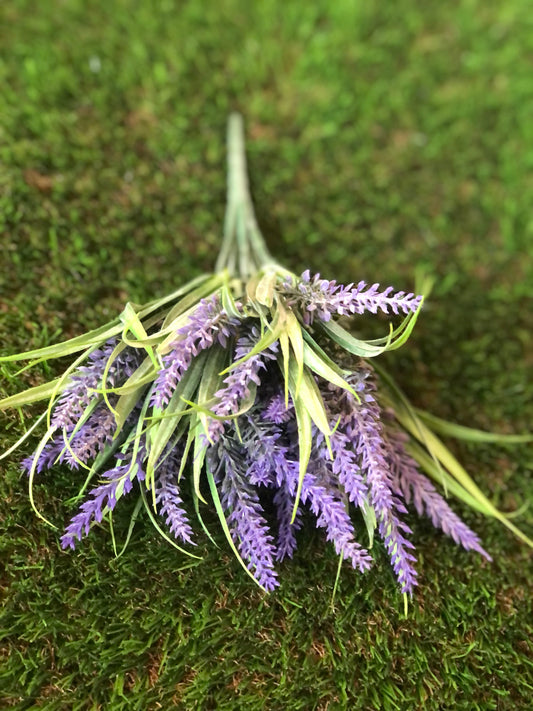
244, 391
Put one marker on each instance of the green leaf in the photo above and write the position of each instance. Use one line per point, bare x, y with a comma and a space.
470, 434
310, 397
133, 323
369, 516
363, 349
305, 443
264, 293
285, 354
294, 331
99, 335
199, 452
135, 384
24, 437
321, 367
211, 380
39, 392
73, 345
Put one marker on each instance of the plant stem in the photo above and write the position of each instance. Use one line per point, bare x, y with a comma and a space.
243, 250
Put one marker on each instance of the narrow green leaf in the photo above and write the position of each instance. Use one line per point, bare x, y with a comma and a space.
310, 397
305, 443
470, 434
92, 338
46, 437
132, 322
135, 385
26, 397
264, 292
321, 367
199, 452
24, 437
369, 516
294, 331
363, 349
284, 347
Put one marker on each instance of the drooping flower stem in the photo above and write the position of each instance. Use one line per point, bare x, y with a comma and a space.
244, 251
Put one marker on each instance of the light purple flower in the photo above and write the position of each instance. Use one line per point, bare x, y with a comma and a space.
313, 296
103, 498
361, 424
80, 389
417, 488
238, 382
246, 520
208, 324
168, 499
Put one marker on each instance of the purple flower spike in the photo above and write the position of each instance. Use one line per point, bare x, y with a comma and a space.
168, 499
415, 487
326, 503
284, 503
239, 380
90, 439
246, 520
313, 296
103, 498
209, 323
79, 391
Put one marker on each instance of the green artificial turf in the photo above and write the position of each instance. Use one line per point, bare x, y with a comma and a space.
382, 138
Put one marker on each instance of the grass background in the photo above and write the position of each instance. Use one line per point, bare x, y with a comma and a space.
381, 137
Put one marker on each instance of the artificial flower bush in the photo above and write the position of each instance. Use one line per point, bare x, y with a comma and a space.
244, 390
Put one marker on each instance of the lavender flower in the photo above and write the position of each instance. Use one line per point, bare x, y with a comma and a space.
360, 426
416, 487
248, 526
90, 439
208, 324
315, 296
80, 390
103, 498
168, 499
238, 382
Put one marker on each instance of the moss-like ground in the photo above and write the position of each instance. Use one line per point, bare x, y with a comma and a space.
383, 137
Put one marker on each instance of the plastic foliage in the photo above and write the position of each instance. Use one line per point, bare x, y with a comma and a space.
243, 391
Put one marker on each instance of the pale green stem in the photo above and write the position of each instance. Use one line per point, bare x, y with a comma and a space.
243, 251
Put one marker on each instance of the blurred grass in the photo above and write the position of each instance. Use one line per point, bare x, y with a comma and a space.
381, 137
